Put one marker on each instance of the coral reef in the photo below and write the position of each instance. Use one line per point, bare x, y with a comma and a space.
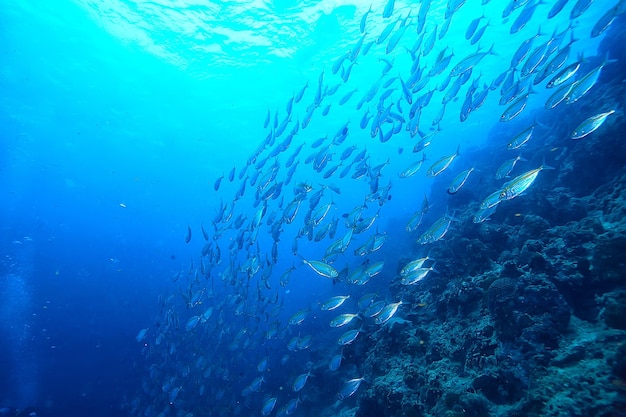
527, 314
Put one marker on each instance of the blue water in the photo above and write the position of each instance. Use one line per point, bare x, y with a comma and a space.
118, 117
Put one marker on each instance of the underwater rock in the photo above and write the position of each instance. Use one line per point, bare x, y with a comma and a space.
619, 364
500, 388
608, 261
501, 290
615, 312
502, 293
535, 225
571, 354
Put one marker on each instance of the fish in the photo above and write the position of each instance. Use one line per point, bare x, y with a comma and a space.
558, 96
521, 139
605, 21
347, 97
395, 39
363, 21
320, 214
374, 309
565, 74
267, 119
413, 265
141, 335
471, 28
558, 6
483, 214
354, 53
388, 11
387, 312
290, 407
523, 49
188, 236
459, 181
479, 33
386, 32
429, 42
291, 211
366, 300
349, 388
348, 337
516, 107
582, 86
335, 362
321, 268
512, 6
442, 163
300, 381
343, 319
413, 168
524, 17
470, 62
268, 406
421, 16
262, 365
218, 181
374, 269
192, 322
590, 125
298, 317
437, 231
521, 183
507, 166
416, 275
301, 93
334, 302
452, 7
579, 8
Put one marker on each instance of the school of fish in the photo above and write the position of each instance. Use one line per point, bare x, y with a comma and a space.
309, 207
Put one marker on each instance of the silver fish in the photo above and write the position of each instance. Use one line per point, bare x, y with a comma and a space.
349, 388
459, 181
590, 125
334, 302
605, 21
521, 139
564, 75
483, 214
343, 319
505, 169
348, 337
558, 96
519, 184
516, 107
322, 268
387, 312
582, 87
558, 6
441, 164
416, 275
470, 62
491, 200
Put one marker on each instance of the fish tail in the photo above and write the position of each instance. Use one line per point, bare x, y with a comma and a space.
544, 166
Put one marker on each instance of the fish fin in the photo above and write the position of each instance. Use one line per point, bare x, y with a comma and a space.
544, 166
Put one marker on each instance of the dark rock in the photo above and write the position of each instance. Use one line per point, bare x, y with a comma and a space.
500, 388
615, 312
570, 355
474, 405
619, 363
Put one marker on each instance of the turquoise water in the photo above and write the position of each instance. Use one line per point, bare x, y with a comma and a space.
118, 118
